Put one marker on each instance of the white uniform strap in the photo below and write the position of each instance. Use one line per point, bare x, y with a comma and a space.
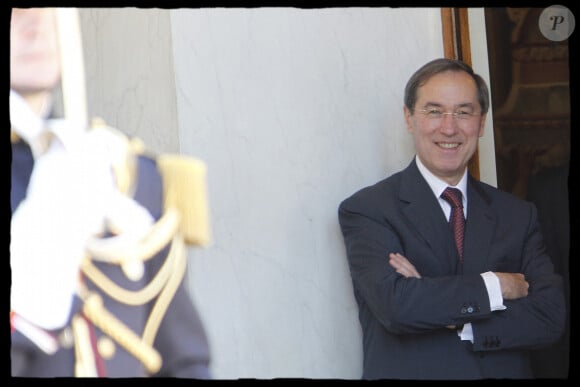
72, 67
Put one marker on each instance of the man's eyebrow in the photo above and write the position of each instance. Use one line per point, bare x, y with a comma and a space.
432, 104
439, 105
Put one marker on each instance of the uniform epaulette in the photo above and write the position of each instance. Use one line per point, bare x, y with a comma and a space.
184, 188
184, 183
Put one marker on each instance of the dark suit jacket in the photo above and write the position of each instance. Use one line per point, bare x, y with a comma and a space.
403, 319
181, 339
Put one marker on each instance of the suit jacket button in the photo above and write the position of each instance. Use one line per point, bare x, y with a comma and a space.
463, 310
470, 310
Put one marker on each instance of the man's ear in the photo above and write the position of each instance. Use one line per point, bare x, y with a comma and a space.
408, 118
482, 125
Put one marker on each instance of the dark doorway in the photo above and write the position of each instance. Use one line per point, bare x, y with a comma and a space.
530, 94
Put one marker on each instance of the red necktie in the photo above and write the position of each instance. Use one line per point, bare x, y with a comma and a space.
457, 219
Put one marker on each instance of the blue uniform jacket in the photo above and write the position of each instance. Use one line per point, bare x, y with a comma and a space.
180, 340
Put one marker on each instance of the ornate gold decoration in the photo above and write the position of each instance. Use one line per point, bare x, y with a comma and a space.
184, 188
184, 221
163, 286
84, 356
103, 319
160, 234
106, 347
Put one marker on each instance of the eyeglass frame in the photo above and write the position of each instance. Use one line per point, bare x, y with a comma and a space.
456, 114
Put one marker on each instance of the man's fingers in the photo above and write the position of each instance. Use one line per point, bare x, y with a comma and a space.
403, 266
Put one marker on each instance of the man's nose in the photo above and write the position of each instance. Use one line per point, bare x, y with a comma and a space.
448, 123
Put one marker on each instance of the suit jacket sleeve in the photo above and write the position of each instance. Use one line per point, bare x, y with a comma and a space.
538, 319
372, 229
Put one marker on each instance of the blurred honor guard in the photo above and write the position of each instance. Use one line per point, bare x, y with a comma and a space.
99, 228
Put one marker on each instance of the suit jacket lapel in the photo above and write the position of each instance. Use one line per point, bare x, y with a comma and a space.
478, 229
424, 213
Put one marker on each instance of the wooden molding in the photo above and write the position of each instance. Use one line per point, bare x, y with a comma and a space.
456, 45
448, 30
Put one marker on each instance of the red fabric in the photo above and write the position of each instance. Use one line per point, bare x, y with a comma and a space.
99, 363
457, 218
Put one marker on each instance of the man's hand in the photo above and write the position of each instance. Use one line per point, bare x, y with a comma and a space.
403, 266
406, 268
513, 285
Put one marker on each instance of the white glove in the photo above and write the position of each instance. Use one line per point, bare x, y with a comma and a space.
70, 194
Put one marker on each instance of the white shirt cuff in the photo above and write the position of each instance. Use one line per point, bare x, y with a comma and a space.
466, 333
493, 291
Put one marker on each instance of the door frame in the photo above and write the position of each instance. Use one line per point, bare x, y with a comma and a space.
456, 45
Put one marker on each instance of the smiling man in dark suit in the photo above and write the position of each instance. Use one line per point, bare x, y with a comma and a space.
432, 306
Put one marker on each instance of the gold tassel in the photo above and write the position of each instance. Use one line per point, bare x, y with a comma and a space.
184, 187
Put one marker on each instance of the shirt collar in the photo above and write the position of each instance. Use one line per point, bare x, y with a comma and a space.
29, 126
438, 186
24, 122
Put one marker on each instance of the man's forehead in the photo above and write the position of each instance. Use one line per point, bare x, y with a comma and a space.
442, 84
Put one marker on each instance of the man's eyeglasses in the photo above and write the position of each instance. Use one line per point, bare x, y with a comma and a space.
437, 114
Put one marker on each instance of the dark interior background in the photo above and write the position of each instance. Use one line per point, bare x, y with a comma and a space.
530, 91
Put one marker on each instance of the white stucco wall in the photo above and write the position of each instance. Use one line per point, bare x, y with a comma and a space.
292, 110
480, 63
129, 72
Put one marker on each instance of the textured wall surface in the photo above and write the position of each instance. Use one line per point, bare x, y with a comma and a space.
130, 76
292, 110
